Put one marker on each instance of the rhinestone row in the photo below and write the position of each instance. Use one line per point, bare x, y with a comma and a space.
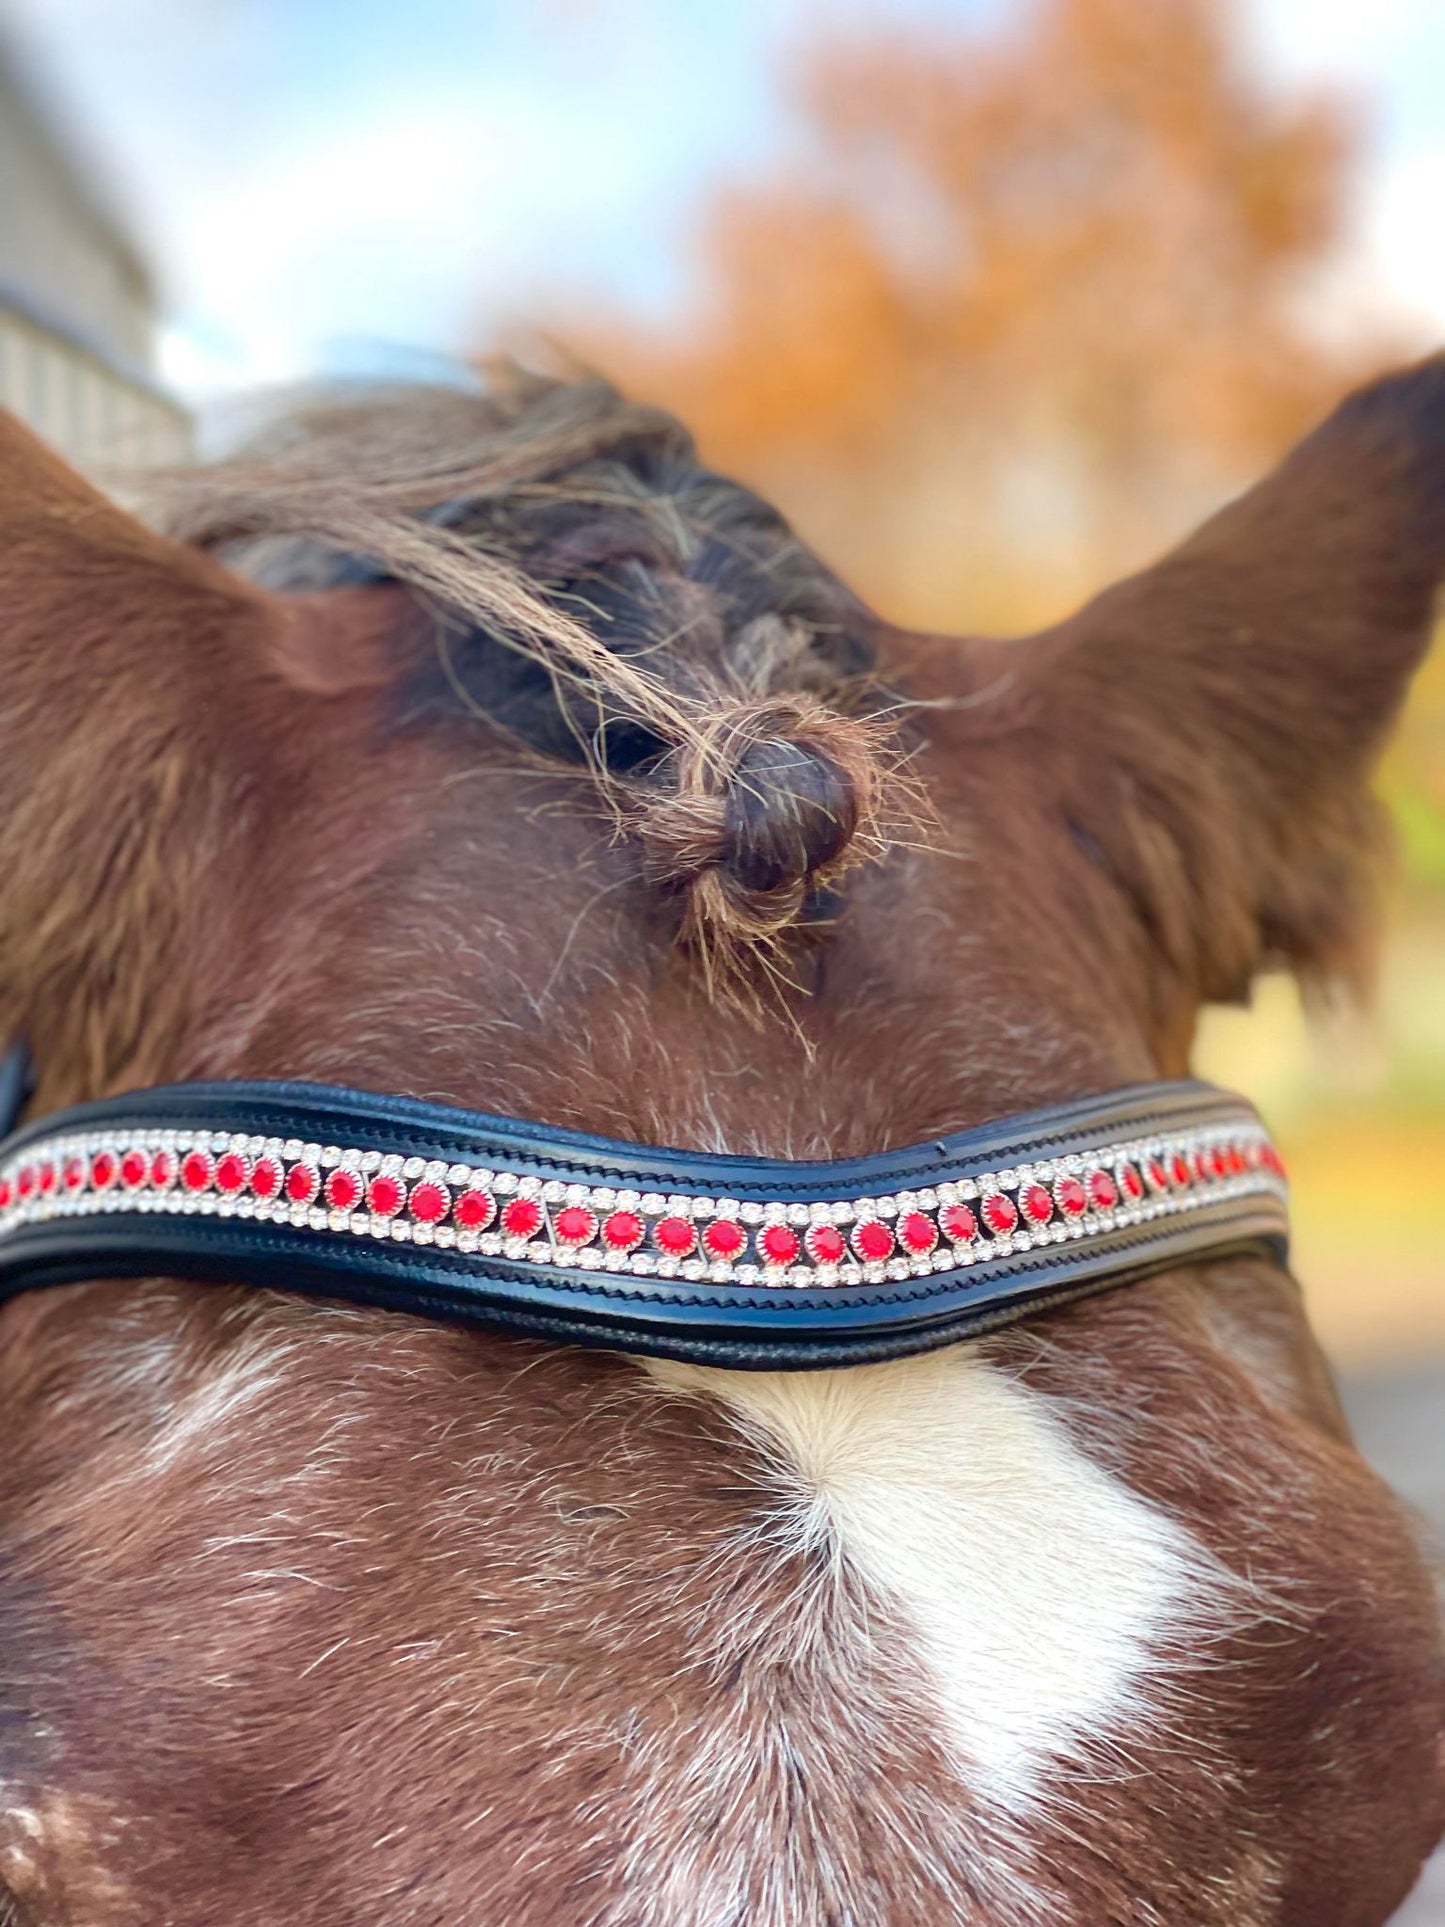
472, 1209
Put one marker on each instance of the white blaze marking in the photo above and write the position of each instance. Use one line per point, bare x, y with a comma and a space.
1038, 1584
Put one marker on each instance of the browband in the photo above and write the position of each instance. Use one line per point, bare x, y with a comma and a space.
337, 1193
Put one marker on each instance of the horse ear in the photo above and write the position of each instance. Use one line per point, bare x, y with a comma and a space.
77, 571
1216, 719
88, 581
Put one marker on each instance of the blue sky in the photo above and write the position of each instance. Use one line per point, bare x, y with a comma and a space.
335, 184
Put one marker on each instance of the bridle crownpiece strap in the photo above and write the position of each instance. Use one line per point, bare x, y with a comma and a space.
450, 1214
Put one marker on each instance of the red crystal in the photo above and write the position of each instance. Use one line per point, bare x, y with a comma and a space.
134, 1167
676, 1236
26, 1179
999, 1213
343, 1189
779, 1244
430, 1202
197, 1170
74, 1174
1037, 1203
104, 1170
521, 1217
918, 1232
1219, 1162
1103, 1190
384, 1195
1073, 1199
231, 1173
724, 1238
47, 1177
266, 1177
163, 1170
7, 1194
959, 1224
825, 1244
873, 1241
1130, 1182
1154, 1170
624, 1231
1180, 1174
303, 1181
576, 1225
475, 1209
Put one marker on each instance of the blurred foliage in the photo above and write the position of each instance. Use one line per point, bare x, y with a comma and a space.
1021, 308
1024, 306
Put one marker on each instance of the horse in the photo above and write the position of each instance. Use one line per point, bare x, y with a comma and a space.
484, 747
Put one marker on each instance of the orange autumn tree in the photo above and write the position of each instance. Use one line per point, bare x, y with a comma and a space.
1025, 305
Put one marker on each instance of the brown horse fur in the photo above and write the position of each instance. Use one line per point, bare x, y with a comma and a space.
310, 1614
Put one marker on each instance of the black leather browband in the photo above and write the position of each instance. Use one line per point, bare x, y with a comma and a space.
337, 1193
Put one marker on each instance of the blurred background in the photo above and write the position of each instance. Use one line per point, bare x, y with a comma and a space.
994, 299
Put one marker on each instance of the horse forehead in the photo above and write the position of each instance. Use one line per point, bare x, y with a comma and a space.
1039, 1591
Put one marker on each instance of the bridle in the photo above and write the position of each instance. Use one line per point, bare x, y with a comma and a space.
342, 1194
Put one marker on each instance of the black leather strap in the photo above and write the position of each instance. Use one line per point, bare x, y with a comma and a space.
106, 1190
